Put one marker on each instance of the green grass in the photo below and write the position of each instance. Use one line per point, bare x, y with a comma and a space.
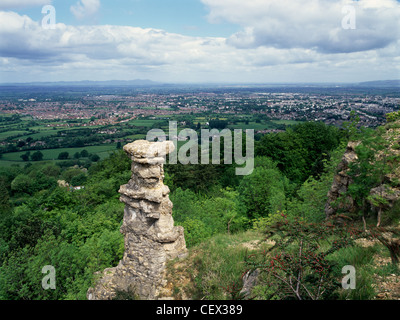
287, 122
251, 125
52, 154
5, 135
219, 262
388, 269
144, 123
26, 118
362, 260
136, 137
41, 134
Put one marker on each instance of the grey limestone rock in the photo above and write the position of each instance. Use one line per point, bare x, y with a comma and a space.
151, 239
342, 181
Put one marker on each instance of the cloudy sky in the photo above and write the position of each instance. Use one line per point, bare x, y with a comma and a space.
243, 41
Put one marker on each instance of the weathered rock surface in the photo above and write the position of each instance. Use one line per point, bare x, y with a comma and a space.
341, 182
151, 239
388, 190
389, 194
250, 280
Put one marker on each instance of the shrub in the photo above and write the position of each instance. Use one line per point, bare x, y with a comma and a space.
262, 192
393, 116
297, 266
195, 231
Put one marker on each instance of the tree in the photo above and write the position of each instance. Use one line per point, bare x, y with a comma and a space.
25, 157
310, 199
76, 143
63, 156
377, 200
69, 174
50, 170
4, 196
200, 178
22, 184
262, 192
94, 158
77, 155
84, 153
369, 170
300, 151
218, 124
391, 117
37, 156
78, 180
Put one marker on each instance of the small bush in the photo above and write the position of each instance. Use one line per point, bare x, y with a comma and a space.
393, 116
126, 295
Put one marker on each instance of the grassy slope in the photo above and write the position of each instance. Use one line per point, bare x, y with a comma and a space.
218, 263
210, 266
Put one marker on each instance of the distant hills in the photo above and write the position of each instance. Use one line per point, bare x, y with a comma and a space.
89, 83
381, 83
150, 83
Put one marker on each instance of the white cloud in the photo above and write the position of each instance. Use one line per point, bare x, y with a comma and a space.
18, 4
100, 52
311, 24
85, 8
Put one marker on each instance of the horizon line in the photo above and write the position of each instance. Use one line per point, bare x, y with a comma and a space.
158, 83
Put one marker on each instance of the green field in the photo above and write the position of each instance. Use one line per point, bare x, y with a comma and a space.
137, 137
144, 123
287, 122
102, 151
5, 135
251, 125
41, 134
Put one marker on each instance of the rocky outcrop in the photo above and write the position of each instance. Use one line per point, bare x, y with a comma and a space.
390, 194
250, 280
382, 197
151, 239
341, 182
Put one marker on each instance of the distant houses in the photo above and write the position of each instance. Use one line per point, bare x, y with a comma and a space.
64, 184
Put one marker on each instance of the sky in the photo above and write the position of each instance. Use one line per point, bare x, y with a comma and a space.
200, 41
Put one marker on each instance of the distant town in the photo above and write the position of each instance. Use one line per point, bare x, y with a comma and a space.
50, 118
112, 109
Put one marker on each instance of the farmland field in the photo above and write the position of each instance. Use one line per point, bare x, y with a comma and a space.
102, 151
251, 125
144, 123
5, 135
287, 122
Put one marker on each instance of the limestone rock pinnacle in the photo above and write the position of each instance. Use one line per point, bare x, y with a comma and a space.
151, 239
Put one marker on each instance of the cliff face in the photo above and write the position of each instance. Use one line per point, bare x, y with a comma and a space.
151, 239
388, 191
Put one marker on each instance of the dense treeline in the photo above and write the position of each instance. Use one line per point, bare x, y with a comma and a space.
42, 224
77, 231
293, 171
300, 151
